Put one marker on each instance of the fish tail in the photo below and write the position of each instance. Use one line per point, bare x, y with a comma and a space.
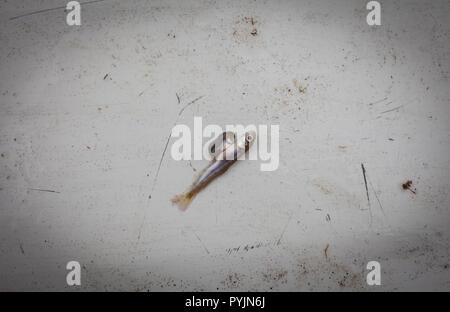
183, 200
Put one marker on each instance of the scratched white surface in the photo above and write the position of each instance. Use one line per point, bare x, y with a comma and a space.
373, 95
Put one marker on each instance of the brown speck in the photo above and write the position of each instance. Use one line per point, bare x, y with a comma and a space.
99, 109
342, 147
106, 76
325, 251
254, 32
301, 90
407, 186
88, 147
2, 155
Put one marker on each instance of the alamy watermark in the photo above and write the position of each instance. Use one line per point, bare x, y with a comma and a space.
74, 13
73, 278
374, 276
188, 146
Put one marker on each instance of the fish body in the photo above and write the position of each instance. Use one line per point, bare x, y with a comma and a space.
226, 151
221, 143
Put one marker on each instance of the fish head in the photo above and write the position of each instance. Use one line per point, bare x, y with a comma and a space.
239, 147
247, 140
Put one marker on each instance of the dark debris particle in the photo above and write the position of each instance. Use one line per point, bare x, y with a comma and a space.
254, 32
407, 186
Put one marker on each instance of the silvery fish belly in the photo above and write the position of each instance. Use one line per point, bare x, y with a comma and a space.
226, 149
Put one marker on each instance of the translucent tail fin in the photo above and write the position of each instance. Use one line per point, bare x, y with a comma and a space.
183, 200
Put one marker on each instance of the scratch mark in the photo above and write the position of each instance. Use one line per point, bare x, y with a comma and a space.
379, 101
378, 200
21, 249
206, 249
178, 98
367, 190
393, 109
325, 251
160, 161
249, 247
162, 158
168, 139
187, 105
284, 229
51, 9
41, 190
365, 182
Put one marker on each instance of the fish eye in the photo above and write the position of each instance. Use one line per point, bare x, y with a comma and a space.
249, 138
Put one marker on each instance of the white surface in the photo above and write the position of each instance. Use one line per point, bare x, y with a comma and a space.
54, 103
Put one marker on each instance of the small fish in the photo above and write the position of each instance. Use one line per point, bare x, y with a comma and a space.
225, 151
